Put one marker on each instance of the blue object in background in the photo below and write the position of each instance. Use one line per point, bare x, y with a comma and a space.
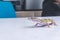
7, 10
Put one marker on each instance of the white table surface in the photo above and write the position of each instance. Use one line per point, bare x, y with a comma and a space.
18, 29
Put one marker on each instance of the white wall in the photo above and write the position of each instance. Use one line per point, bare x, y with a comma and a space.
34, 4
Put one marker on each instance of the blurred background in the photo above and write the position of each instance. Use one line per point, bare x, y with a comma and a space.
27, 4
27, 8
